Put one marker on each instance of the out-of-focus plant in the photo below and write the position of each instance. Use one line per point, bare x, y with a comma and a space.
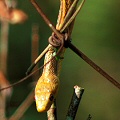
11, 14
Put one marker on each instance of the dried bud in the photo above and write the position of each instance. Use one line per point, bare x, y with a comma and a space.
17, 16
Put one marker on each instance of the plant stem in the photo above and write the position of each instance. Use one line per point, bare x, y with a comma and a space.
48, 22
77, 95
23, 107
71, 19
4, 46
52, 112
93, 65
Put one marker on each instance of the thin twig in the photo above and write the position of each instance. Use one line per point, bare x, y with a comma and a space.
35, 46
52, 112
4, 46
37, 60
4, 96
22, 80
23, 107
48, 22
69, 14
77, 95
93, 65
73, 16
30, 98
35, 41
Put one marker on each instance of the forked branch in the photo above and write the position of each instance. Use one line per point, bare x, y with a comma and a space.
77, 95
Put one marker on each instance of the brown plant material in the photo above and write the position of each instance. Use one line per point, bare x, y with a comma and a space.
3, 10
11, 15
23, 107
4, 95
52, 112
76, 98
17, 16
4, 83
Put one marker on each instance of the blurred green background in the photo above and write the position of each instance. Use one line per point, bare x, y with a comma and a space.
97, 34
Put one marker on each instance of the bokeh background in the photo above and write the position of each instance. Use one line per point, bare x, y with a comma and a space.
96, 33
